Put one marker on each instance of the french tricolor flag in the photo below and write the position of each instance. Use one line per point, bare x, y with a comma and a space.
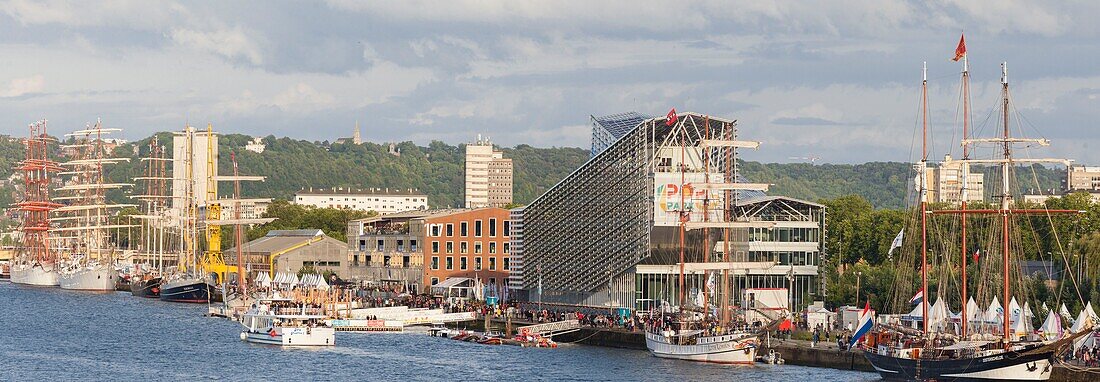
917, 298
866, 322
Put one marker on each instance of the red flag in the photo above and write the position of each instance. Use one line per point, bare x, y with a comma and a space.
976, 253
670, 119
961, 50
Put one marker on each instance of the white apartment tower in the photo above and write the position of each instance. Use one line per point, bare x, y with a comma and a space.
488, 176
945, 183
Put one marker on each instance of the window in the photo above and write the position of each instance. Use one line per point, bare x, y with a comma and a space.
450, 229
435, 262
493, 227
492, 280
412, 246
367, 259
400, 246
506, 248
404, 261
450, 263
381, 245
507, 228
477, 263
362, 245
463, 247
465, 229
386, 261
450, 247
492, 247
492, 263
477, 247
477, 228
507, 263
435, 247
435, 280
462, 263
435, 230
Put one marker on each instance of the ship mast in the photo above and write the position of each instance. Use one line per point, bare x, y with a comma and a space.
924, 198
237, 228
964, 192
1005, 195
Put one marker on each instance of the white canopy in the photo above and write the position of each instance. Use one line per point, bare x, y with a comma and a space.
321, 284
263, 279
994, 312
1065, 312
973, 311
1052, 327
1083, 318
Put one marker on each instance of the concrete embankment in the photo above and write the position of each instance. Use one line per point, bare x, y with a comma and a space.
794, 352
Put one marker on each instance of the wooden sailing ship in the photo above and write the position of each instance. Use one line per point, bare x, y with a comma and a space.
960, 352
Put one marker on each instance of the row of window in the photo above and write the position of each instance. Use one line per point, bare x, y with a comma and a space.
786, 258
405, 261
463, 247
438, 230
462, 264
784, 234
381, 245
320, 263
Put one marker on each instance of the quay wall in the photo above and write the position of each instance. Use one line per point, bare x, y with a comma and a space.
793, 352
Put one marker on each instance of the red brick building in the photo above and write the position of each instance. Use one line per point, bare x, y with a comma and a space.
467, 243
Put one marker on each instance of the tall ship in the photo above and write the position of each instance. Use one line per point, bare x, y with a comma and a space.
35, 264
87, 254
157, 235
932, 342
704, 161
202, 276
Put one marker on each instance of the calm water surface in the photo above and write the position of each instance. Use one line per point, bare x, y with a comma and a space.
53, 334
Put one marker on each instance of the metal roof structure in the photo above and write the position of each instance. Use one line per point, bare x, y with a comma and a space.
609, 128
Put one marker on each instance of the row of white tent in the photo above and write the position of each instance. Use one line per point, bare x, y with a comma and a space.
941, 319
290, 280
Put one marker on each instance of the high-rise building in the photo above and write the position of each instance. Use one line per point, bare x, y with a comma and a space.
945, 183
488, 176
189, 156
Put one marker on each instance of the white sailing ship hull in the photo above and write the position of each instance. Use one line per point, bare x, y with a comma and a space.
33, 275
293, 336
94, 278
736, 349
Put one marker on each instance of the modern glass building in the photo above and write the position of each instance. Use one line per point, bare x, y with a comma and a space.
608, 235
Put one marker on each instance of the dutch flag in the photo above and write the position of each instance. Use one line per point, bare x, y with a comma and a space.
866, 321
917, 298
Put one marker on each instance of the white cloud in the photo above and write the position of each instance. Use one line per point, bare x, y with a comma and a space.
303, 96
230, 43
27, 85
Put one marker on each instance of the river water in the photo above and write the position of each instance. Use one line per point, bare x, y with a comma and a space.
53, 334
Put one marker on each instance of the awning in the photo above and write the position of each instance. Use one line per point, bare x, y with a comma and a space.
452, 282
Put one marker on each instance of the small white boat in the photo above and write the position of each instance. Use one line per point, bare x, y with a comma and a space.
284, 322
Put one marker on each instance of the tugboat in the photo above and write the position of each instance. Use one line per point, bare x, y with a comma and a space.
285, 322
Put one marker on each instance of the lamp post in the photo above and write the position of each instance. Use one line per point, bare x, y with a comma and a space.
859, 275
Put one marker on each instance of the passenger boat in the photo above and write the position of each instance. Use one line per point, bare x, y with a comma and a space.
1000, 345
285, 322
692, 345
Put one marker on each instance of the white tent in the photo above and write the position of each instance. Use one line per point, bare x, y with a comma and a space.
937, 315
1052, 327
321, 284
1021, 329
1014, 312
1065, 312
973, 311
1044, 308
1084, 317
994, 312
1027, 311
263, 279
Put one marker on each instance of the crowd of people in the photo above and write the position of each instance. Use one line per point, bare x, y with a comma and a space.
1088, 356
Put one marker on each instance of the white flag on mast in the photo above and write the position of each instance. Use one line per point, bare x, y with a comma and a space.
897, 242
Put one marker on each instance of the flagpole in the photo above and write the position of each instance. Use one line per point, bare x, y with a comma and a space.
965, 175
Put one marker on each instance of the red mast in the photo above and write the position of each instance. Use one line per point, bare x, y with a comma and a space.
965, 169
36, 204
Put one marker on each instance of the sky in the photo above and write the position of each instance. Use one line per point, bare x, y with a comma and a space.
838, 81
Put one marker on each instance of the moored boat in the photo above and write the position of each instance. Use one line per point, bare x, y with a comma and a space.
284, 322
691, 345
188, 289
147, 286
93, 277
34, 274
